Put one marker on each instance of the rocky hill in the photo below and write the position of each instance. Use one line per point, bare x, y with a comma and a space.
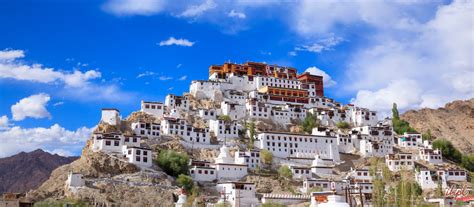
454, 121
109, 180
25, 171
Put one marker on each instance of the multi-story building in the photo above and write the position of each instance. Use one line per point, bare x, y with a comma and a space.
173, 126
257, 110
301, 172
146, 129
410, 140
286, 145
224, 129
251, 158
431, 156
400, 161
235, 111
154, 108
237, 194
181, 103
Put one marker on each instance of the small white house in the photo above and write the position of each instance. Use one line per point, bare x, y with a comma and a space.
181, 103
321, 167
369, 148
75, 180
429, 179
154, 108
238, 194
251, 158
173, 126
410, 140
234, 110
197, 135
301, 172
431, 156
138, 155
226, 167
400, 161
207, 114
107, 143
111, 116
361, 175
202, 171
456, 175
223, 129
145, 129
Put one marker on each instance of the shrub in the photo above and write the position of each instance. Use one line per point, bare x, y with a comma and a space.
309, 123
343, 125
285, 172
267, 157
185, 182
448, 150
173, 163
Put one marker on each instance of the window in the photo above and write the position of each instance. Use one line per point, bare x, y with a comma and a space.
116, 143
138, 152
137, 159
107, 142
145, 159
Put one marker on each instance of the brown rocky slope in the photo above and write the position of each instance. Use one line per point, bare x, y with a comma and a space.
454, 121
25, 171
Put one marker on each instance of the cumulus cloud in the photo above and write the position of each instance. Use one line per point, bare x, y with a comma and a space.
134, 7
435, 63
178, 42
327, 80
199, 9
77, 84
146, 73
33, 106
321, 45
54, 139
11, 67
4, 122
236, 14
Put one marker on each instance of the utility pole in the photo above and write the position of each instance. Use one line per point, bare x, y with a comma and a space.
360, 194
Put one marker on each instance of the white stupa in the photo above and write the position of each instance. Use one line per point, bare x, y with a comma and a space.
224, 156
181, 199
320, 167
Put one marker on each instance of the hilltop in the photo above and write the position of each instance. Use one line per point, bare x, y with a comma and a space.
454, 121
27, 170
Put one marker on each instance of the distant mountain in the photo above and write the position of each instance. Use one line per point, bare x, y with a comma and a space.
454, 121
25, 171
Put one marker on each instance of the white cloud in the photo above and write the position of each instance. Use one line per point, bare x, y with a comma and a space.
146, 73
435, 62
165, 78
77, 84
321, 45
327, 80
179, 65
292, 53
33, 106
174, 41
199, 9
4, 122
58, 103
236, 14
54, 139
182, 78
8, 55
134, 7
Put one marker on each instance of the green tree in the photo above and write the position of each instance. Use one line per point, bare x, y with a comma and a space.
271, 204
185, 182
267, 157
285, 172
309, 122
251, 128
395, 114
224, 118
427, 135
343, 125
467, 162
448, 150
173, 163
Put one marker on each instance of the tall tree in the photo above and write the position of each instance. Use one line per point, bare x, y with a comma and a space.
251, 128
395, 114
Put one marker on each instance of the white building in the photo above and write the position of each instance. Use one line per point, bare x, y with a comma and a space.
234, 110
146, 129
238, 194
223, 129
429, 179
431, 156
75, 180
181, 103
234, 96
202, 171
370, 148
111, 116
361, 175
197, 135
346, 142
138, 155
226, 167
154, 108
203, 89
257, 110
301, 172
285, 199
107, 142
363, 117
321, 167
286, 145
410, 140
456, 175
251, 158
207, 114
323, 185
173, 126
400, 161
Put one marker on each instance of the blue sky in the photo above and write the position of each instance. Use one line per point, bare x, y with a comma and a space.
96, 54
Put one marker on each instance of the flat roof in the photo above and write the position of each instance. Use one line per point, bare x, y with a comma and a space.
109, 109
307, 135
